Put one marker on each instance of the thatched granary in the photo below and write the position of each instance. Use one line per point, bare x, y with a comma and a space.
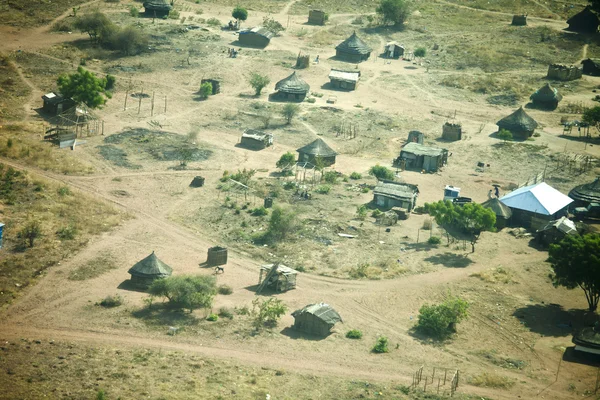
518, 123
519, 20
353, 49
591, 67
546, 97
317, 150
502, 211
317, 17
316, 319
256, 37
292, 88
586, 193
157, 8
146, 271
586, 21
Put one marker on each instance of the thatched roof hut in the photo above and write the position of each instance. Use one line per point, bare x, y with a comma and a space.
353, 49
546, 97
518, 123
316, 319
144, 272
317, 150
591, 67
586, 21
586, 193
502, 211
157, 8
292, 88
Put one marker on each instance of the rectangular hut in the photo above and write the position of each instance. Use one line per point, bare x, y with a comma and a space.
256, 37
452, 132
55, 103
277, 277
317, 17
393, 50
388, 194
562, 72
344, 80
256, 140
421, 157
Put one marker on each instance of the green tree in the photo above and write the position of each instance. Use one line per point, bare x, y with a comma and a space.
83, 86
381, 346
420, 52
439, 321
394, 12
205, 90
382, 173
575, 261
285, 161
240, 14
361, 212
30, 232
592, 116
289, 111
267, 312
129, 40
258, 82
281, 224
96, 25
188, 292
504, 135
272, 25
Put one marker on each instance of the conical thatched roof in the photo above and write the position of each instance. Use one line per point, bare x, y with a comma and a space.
158, 5
587, 193
354, 45
501, 210
546, 94
519, 121
582, 19
317, 148
151, 266
292, 84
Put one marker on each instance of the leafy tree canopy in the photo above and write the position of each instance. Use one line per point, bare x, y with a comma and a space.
258, 82
83, 86
286, 159
439, 320
592, 116
394, 12
189, 292
240, 13
382, 173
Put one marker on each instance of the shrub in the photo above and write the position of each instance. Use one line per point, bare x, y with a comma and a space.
354, 334
212, 317
111, 301
491, 380
258, 82
376, 213
381, 346
63, 25
420, 52
272, 25
361, 212
129, 40
382, 173
189, 292
225, 312
242, 310
225, 290
260, 211
393, 11
355, 176
134, 12
205, 90
281, 224
427, 224
110, 82
439, 321
67, 233
213, 22
365, 189
504, 135
173, 14
323, 189
267, 312
330, 177
63, 191
30, 232
289, 111
434, 240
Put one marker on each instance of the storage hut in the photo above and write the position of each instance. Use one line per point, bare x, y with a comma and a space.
344, 80
215, 83
256, 37
256, 140
353, 49
591, 67
586, 193
393, 50
518, 123
316, 319
421, 157
55, 103
519, 20
415, 137
546, 97
562, 72
292, 88
198, 181
144, 272
157, 8
277, 277
555, 231
216, 256
535, 205
388, 194
79, 119
502, 211
452, 132
586, 21
317, 17
317, 150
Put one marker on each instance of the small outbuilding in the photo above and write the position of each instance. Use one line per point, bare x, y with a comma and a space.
393, 50
277, 277
519, 20
198, 181
502, 211
546, 97
344, 80
518, 123
256, 140
55, 103
316, 319
317, 17
591, 67
421, 157
157, 8
388, 194
292, 88
415, 137
562, 72
585, 21
317, 150
146, 271
452, 132
585, 194
353, 50
555, 231
256, 37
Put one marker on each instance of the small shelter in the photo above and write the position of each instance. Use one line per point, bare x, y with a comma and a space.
317, 150
292, 88
216, 255
146, 271
345, 80
518, 123
353, 49
198, 181
562, 72
317, 17
546, 97
535, 205
80, 120
452, 132
55, 103
393, 50
502, 211
421, 157
555, 231
586, 193
256, 140
157, 8
215, 83
587, 340
519, 20
277, 277
256, 37
591, 67
585, 21
388, 194
316, 319
415, 137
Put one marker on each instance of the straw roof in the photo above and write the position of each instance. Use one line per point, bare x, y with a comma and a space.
322, 311
292, 84
317, 148
501, 210
354, 45
546, 94
151, 266
158, 5
585, 15
588, 192
519, 121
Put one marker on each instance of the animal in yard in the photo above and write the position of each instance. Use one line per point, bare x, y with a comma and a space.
220, 270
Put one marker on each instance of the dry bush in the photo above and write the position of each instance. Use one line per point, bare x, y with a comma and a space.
427, 224
495, 275
491, 380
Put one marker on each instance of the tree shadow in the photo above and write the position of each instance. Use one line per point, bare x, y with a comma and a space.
383, 29
296, 334
266, 292
581, 357
553, 319
164, 315
421, 246
450, 260
582, 139
427, 339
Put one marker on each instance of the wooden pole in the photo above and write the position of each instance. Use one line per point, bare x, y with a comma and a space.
445, 372
165, 104
126, 96
152, 109
102, 127
140, 100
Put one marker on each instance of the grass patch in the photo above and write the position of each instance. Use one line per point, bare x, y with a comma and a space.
354, 334
13, 92
225, 290
494, 275
111, 301
491, 380
500, 361
24, 13
93, 268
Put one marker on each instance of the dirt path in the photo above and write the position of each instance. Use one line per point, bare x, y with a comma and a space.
584, 52
35, 92
285, 10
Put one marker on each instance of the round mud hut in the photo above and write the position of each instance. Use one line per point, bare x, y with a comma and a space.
316, 319
317, 151
292, 88
353, 50
146, 271
518, 123
546, 97
586, 193
157, 8
502, 211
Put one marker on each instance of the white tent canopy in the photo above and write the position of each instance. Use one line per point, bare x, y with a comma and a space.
540, 198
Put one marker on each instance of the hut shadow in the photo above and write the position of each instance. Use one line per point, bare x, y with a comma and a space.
265, 292
580, 357
450, 260
164, 315
553, 319
329, 86
421, 246
411, 67
240, 146
295, 334
591, 141
498, 146
240, 46
274, 98
532, 106
127, 285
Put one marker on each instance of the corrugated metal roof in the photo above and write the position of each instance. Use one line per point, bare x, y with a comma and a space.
540, 198
563, 224
395, 189
347, 76
259, 30
281, 269
422, 150
320, 310
256, 134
